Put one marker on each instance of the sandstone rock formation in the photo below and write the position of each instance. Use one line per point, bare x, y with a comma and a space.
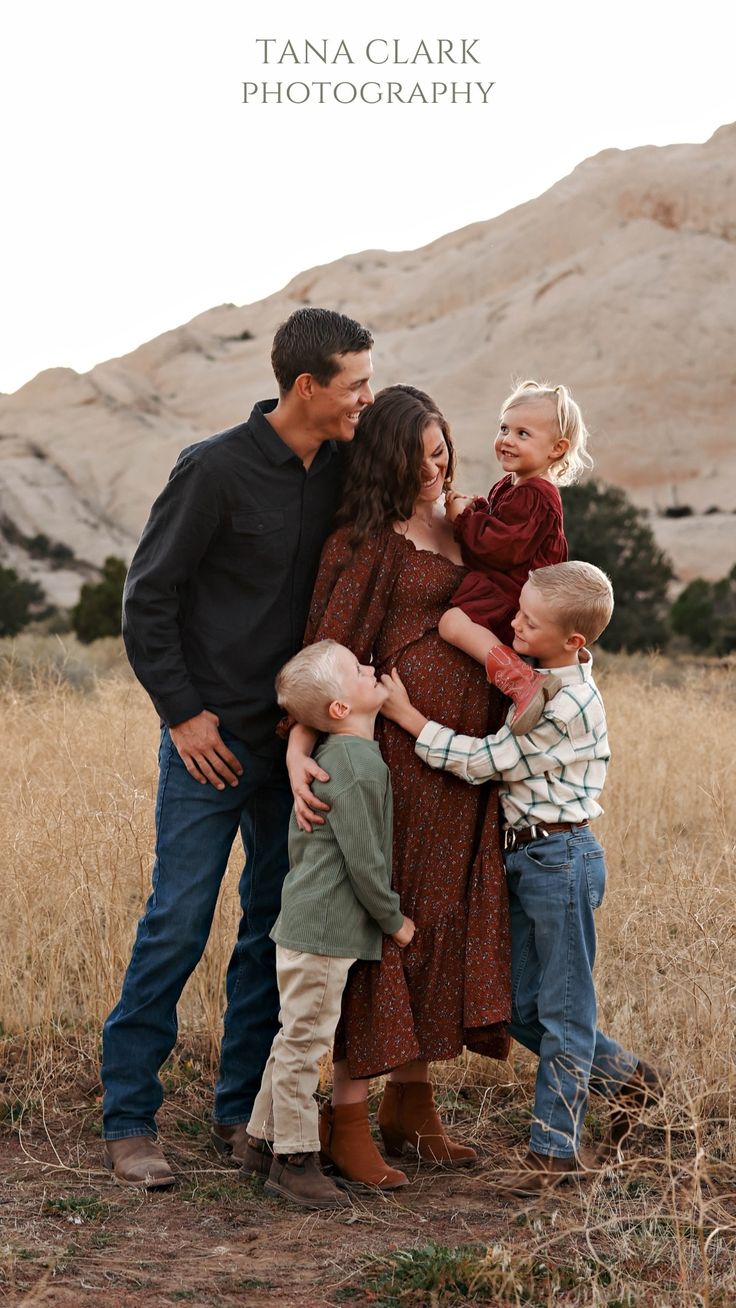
619, 280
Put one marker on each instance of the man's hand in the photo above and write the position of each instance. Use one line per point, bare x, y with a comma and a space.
405, 933
455, 503
302, 772
204, 753
399, 708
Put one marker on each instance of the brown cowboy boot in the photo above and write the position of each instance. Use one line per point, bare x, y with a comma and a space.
299, 1177
644, 1088
347, 1143
408, 1114
528, 689
540, 1173
235, 1145
138, 1160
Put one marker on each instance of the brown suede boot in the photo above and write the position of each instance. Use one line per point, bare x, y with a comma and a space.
528, 689
138, 1160
300, 1178
347, 1143
408, 1114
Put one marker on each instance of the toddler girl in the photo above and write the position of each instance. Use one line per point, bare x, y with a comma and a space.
541, 444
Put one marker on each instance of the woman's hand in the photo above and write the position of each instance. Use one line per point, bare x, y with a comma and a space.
398, 707
405, 933
302, 772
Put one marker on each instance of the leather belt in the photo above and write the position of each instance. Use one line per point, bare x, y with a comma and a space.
513, 836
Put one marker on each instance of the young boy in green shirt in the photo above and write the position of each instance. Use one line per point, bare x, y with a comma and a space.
336, 906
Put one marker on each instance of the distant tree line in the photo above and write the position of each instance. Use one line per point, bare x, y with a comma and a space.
602, 526
705, 612
98, 612
18, 597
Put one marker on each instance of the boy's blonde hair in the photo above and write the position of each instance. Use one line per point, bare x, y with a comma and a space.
309, 682
576, 459
579, 595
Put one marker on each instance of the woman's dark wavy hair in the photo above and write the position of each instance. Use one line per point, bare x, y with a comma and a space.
384, 461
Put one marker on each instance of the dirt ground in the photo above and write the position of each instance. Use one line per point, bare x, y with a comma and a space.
68, 1236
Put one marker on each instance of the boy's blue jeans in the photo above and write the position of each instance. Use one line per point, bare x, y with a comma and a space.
555, 884
195, 829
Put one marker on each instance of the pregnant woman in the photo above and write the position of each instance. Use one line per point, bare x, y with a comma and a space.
386, 576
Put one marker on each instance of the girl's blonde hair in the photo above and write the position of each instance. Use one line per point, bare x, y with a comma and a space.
576, 459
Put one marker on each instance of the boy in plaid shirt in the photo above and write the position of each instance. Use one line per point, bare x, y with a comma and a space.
551, 779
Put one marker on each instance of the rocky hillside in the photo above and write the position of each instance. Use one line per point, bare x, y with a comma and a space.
619, 281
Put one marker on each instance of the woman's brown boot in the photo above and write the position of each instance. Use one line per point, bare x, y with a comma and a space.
408, 1113
346, 1141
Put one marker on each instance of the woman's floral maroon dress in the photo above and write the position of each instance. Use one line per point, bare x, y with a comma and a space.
451, 986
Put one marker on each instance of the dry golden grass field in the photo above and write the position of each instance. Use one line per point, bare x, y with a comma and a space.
657, 1227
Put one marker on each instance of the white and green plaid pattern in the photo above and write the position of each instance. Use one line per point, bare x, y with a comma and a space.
554, 773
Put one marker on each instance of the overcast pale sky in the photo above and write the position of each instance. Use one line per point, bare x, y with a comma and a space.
139, 189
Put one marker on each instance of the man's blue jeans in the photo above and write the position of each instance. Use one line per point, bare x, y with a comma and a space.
555, 884
195, 829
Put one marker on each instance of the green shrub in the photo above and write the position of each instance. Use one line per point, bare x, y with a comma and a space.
17, 597
603, 527
99, 611
705, 613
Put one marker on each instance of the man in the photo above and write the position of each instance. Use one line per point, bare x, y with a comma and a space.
215, 602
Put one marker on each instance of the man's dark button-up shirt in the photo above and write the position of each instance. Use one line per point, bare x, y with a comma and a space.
218, 591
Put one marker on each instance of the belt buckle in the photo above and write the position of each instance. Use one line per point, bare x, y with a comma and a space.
509, 839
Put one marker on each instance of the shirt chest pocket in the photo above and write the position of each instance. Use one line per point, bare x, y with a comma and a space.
260, 535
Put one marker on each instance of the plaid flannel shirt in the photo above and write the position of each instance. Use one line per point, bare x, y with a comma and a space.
554, 773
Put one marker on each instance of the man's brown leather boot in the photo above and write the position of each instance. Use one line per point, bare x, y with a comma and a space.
234, 1144
540, 1173
138, 1160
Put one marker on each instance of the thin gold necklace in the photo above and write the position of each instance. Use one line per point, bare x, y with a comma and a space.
432, 525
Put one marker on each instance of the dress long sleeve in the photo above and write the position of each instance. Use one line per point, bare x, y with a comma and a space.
451, 986
353, 592
511, 531
518, 528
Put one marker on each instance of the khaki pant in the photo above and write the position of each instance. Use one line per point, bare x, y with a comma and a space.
310, 990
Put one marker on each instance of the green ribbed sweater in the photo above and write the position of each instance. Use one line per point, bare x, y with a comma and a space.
337, 897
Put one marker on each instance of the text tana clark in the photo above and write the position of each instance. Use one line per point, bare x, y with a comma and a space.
379, 51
